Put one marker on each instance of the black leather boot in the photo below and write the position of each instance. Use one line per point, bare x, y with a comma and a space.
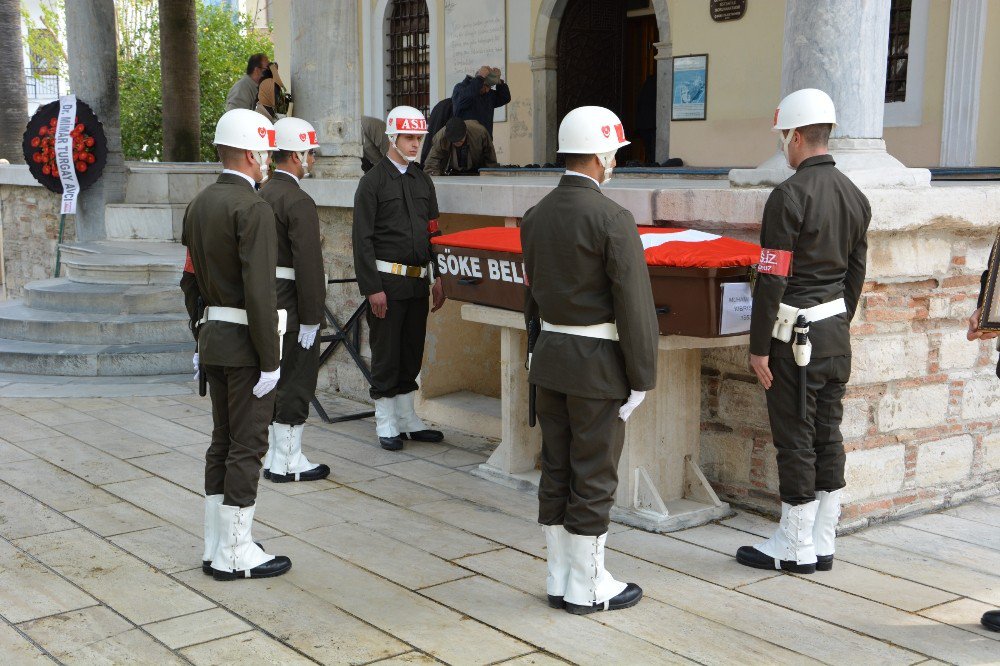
751, 557
423, 435
991, 620
317, 473
627, 598
279, 565
824, 562
556, 602
391, 443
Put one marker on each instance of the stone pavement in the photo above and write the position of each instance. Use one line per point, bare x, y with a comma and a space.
408, 558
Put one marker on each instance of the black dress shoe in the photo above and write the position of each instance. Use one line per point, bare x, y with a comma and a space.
391, 443
556, 602
267, 474
751, 557
625, 599
315, 474
423, 435
279, 565
206, 565
824, 562
991, 620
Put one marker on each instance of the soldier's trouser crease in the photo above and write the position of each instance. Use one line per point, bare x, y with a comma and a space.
811, 451
397, 344
582, 440
297, 385
239, 434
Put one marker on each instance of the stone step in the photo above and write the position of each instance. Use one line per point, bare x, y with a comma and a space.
174, 182
58, 386
81, 360
123, 262
20, 322
64, 295
155, 222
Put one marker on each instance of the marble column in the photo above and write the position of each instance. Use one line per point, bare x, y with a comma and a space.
546, 130
841, 48
664, 87
92, 48
326, 81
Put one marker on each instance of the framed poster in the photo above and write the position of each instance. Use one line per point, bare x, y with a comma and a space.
690, 87
989, 320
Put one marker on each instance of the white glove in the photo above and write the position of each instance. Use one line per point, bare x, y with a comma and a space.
307, 335
266, 383
196, 368
635, 398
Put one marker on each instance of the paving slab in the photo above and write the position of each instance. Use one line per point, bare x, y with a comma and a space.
111, 439
577, 639
113, 576
983, 511
53, 486
10, 453
168, 548
252, 647
290, 515
412, 657
113, 519
150, 426
61, 416
97, 635
344, 471
85, 461
286, 608
534, 659
953, 527
17, 649
489, 523
964, 614
16, 428
946, 549
183, 470
408, 526
874, 585
922, 635
393, 560
30, 590
21, 515
200, 627
412, 618
399, 491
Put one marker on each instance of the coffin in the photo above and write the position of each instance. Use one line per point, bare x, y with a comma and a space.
700, 281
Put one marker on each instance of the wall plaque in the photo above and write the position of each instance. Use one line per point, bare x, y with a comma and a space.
727, 10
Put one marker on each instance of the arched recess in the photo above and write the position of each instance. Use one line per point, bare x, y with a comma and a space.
544, 66
375, 25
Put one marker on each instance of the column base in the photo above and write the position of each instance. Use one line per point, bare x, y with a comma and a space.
337, 167
865, 161
517, 480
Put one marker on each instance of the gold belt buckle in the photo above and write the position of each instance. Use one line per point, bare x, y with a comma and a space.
413, 271
397, 269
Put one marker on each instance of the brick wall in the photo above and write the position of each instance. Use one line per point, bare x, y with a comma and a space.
29, 216
922, 405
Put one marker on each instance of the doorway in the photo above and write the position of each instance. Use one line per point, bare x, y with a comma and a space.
606, 58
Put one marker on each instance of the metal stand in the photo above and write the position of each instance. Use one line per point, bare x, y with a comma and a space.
348, 335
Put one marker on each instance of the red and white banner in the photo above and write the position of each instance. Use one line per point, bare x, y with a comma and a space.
64, 154
690, 248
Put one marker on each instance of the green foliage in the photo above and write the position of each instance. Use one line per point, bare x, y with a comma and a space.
225, 41
44, 45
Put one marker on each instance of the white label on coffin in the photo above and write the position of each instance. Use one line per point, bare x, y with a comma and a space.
737, 303
687, 236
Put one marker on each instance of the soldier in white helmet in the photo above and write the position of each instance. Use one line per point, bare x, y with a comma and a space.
812, 268
395, 214
301, 287
229, 233
593, 361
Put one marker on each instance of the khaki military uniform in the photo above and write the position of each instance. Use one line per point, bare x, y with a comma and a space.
476, 153
374, 142
229, 232
822, 218
392, 211
299, 248
585, 264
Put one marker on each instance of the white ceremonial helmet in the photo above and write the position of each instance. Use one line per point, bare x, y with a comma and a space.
296, 136
592, 130
247, 130
404, 120
808, 106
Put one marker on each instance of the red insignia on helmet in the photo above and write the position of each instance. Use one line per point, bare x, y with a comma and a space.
312, 137
775, 122
302, 137
271, 139
620, 131
606, 130
262, 132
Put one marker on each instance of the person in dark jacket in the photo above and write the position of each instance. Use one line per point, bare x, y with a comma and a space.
817, 221
462, 147
594, 359
476, 96
440, 115
395, 213
301, 291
